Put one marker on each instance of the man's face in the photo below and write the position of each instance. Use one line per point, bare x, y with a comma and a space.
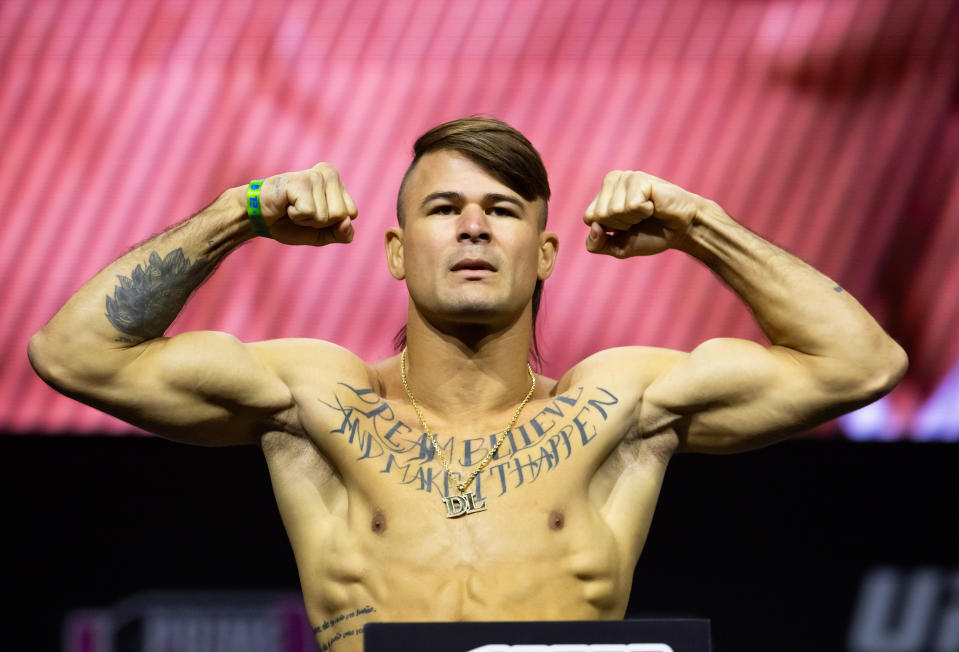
471, 248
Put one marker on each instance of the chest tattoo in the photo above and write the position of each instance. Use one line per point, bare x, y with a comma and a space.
366, 422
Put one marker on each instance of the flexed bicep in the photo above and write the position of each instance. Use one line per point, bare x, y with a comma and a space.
730, 395
205, 388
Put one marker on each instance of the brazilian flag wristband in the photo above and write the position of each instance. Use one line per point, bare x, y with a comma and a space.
253, 208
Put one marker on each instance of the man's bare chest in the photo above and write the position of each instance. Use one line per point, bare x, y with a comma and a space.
383, 523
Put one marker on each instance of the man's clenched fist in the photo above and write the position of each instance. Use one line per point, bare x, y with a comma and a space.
637, 214
309, 207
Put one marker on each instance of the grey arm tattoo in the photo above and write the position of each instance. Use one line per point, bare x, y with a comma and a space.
146, 302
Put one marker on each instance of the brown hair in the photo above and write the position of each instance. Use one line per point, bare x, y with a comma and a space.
506, 155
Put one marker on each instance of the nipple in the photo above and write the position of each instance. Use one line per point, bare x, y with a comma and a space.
378, 524
556, 520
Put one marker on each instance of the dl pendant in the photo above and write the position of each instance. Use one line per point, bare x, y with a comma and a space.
463, 504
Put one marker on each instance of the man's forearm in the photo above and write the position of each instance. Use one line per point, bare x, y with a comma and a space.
138, 296
796, 306
162, 272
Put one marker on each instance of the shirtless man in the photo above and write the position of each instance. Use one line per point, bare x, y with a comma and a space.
553, 522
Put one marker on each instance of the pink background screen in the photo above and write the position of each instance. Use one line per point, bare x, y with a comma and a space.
830, 128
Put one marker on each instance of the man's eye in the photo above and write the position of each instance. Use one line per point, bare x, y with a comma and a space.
501, 211
442, 210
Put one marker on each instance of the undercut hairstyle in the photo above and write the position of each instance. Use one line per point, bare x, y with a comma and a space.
507, 156
499, 149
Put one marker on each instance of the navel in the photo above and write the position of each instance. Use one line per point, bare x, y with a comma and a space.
378, 524
556, 520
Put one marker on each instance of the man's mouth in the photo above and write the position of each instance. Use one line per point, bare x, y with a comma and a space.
473, 264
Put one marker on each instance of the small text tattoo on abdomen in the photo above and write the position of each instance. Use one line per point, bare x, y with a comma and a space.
344, 618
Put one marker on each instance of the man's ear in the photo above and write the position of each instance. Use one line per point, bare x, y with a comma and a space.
394, 252
548, 248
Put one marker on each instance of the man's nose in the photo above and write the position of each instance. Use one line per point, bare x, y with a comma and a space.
474, 225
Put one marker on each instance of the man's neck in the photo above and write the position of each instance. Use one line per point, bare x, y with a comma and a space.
473, 376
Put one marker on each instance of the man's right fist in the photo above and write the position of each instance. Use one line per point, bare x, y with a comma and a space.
309, 207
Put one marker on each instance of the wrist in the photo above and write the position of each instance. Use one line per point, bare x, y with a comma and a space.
254, 210
233, 201
707, 226
233, 204
230, 221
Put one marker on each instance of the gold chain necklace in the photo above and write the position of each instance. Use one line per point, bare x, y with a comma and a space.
466, 502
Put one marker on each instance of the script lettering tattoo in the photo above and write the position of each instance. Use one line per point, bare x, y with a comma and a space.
342, 618
369, 424
145, 303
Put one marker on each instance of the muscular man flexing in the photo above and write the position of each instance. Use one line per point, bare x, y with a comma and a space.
451, 482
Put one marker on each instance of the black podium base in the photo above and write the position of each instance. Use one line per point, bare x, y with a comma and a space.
648, 635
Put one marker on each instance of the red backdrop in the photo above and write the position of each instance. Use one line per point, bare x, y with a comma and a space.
831, 128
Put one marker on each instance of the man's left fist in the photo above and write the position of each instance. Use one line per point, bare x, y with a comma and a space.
637, 214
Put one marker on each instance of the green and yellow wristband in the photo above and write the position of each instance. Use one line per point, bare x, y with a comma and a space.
253, 208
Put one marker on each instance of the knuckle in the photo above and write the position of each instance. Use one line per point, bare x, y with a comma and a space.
327, 171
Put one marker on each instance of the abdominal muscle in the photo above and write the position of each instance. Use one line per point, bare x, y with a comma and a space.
398, 558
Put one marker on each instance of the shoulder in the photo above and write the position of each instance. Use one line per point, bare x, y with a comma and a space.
613, 385
302, 360
633, 367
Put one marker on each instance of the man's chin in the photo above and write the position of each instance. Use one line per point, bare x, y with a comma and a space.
474, 313
471, 314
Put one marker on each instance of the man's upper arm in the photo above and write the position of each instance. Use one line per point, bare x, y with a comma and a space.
729, 395
204, 387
